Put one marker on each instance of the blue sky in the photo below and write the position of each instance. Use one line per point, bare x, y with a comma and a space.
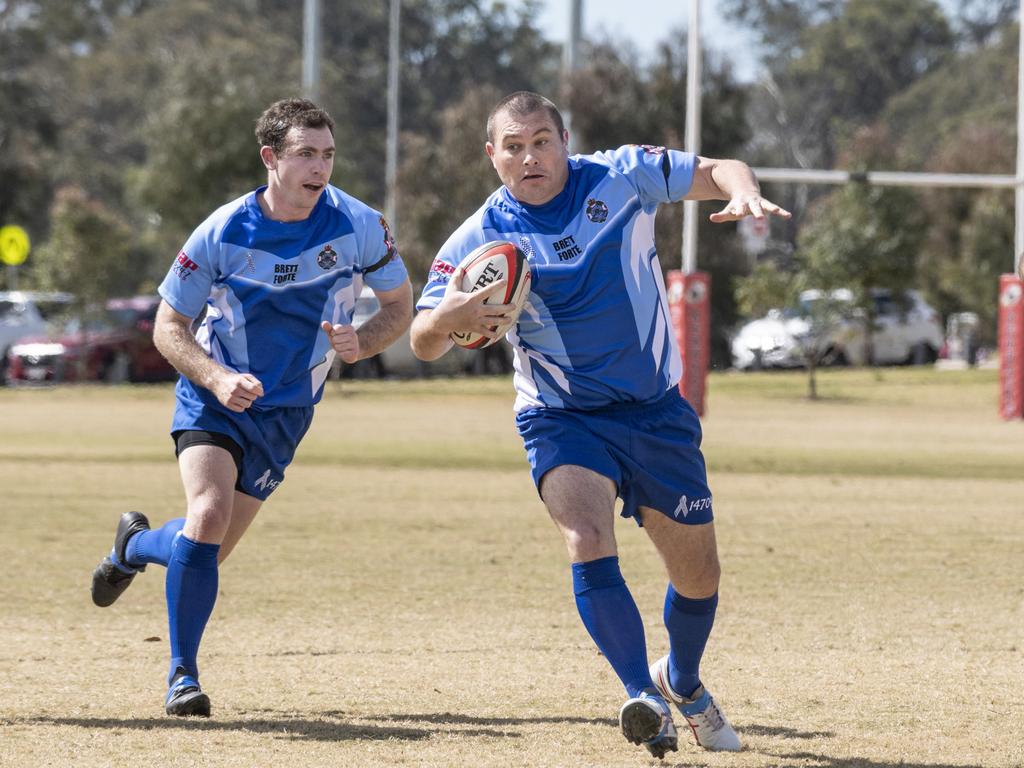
647, 22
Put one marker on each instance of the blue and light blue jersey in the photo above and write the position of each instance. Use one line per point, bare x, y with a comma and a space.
266, 286
596, 328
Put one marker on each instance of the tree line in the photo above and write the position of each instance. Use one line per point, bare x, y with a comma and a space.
125, 122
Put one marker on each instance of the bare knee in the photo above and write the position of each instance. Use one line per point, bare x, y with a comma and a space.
582, 505
208, 519
586, 541
698, 577
689, 552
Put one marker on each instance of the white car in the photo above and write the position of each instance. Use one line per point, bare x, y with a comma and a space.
26, 313
825, 325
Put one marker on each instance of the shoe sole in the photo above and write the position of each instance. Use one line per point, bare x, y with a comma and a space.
639, 722
192, 704
103, 593
661, 748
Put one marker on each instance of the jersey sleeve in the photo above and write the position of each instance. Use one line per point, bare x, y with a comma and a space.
659, 175
378, 260
464, 240
189, 281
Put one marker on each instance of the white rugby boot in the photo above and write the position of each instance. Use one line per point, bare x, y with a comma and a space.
710, 728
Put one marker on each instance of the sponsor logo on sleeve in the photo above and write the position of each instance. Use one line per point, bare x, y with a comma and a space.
389, 240
184, 266
440, 271
650, 149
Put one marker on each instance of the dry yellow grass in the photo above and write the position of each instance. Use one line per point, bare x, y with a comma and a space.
404, 601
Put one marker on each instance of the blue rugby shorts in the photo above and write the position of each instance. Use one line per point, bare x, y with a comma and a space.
651, 451
268, 438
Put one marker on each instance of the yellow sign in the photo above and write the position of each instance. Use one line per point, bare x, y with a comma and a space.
14, 245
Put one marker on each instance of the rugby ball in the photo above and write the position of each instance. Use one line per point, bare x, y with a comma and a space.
496, 260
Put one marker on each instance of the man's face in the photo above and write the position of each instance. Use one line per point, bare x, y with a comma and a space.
299, 174
530, 156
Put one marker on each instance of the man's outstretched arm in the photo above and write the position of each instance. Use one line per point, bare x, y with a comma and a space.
731, 180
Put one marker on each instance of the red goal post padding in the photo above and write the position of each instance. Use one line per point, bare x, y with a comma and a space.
689, 301
1011, 347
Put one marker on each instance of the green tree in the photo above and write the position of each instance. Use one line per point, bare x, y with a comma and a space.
200, 147
767, 287
780, 25
443, 178
449, 47
847, 60
213, 69
42, 44
89, 252
958, 120
29, 130
980, 20
163, 115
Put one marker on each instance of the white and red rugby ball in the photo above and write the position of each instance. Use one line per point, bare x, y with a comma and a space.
496, 260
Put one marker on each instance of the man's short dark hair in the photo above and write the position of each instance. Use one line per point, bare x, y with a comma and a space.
273, 125
521, 104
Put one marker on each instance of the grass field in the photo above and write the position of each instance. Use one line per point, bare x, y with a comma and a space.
403, 599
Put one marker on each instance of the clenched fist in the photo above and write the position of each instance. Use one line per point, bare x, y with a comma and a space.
237, 391
344, 341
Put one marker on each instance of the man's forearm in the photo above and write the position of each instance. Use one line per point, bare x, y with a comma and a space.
179, 346
381, 330
428, 341
734, 177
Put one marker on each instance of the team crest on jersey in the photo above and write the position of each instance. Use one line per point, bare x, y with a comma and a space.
327, 258
597, 211
250, 263
526, 246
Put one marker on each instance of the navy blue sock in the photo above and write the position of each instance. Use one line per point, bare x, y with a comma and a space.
612, 619
689, 624
191, 593
153, 546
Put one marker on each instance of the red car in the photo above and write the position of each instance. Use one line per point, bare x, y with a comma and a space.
113, 345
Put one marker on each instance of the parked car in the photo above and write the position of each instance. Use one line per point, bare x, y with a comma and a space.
113, 344
399, 361
907, 331
25, 313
